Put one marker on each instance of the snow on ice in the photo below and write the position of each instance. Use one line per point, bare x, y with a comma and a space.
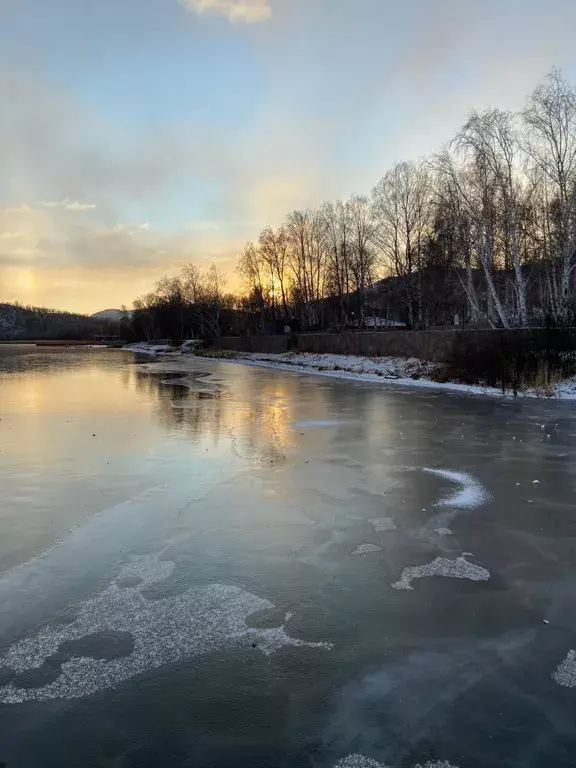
470, 495
163, 631
359, 761
442, 566
565, 673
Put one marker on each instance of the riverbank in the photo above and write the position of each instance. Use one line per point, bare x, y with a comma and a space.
399, 371
144, 348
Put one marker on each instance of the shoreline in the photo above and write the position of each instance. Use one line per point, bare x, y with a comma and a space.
386, 371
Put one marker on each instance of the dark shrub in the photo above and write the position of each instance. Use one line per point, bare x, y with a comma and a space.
512, 359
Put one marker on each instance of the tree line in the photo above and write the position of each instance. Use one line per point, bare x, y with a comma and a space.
28, 322
483, 231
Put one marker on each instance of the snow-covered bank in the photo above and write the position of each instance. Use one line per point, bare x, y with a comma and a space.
144, 348
388, 370
187, 347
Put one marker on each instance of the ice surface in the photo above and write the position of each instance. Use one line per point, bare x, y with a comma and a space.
310, 423
195, 622
406, 372
442, 566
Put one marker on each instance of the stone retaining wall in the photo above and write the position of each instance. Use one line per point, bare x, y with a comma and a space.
426, 345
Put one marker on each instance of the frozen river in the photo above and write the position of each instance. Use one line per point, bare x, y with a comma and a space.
244, 567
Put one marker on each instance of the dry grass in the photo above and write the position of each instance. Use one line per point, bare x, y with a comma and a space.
545, 381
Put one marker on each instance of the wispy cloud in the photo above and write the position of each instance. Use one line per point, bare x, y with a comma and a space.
69, 205
47, 258
247, 11
74, 205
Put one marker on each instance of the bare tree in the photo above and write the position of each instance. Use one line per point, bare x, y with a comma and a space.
402, 211
362, 252
274, 249
252, 271
307, 244
550, 118
473, 184
492, 142
192, 283
449, 205
338, 243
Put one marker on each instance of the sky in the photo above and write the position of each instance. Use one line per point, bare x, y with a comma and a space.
139, 135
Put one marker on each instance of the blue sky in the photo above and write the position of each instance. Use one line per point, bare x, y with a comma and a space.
139, 134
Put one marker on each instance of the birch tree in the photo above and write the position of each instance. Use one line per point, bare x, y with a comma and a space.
274, 248
550, 119
338, 243
491, 139
362, 252
402, 208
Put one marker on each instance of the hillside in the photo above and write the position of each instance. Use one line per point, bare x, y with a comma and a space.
109, 314
18, 322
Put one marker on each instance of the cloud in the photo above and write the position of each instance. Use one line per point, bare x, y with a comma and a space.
47, 258
69, 205
324, 118
58, 151
76, 206
247, 11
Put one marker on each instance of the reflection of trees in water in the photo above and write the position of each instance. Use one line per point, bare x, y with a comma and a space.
254, 411
177, 405
255, 418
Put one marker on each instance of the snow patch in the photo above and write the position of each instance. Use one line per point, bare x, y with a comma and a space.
383, 524
565, 673
195, 622
442, 566
366, 549
189, 346
359, 761
143, 348
471, 494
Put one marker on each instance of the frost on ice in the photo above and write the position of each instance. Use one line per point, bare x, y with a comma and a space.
359, 761
470, 495
442, 566
366, 549
383, 524
565, 673
163, 631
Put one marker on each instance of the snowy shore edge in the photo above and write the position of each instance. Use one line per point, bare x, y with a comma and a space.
389, 371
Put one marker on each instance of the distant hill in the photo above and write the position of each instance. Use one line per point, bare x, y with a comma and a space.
108, 314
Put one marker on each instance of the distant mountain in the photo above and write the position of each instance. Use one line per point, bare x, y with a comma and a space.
108, 314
